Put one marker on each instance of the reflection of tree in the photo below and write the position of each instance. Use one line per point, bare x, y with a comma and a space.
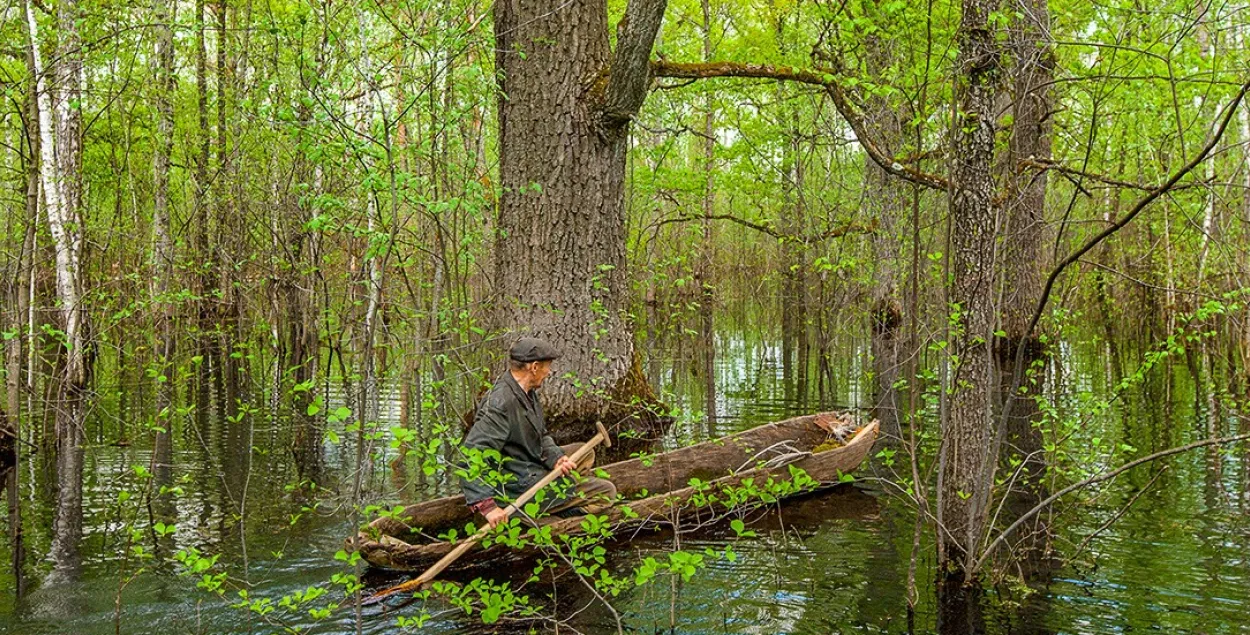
815, 563
8, 476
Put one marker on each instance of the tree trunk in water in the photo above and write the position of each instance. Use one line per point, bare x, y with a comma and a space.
564, 111
303, 351
702, 273
163, 256
303, 344
60, 121
1021, 352
885, 203
793, 305
202, 248
16, 306
1210, 221
1244, 123
223, 202
966, 455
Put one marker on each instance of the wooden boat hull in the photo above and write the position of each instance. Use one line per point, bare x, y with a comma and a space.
656, 488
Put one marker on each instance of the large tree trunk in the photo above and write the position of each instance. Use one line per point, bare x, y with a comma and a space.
60, 123
966, 454
564, 114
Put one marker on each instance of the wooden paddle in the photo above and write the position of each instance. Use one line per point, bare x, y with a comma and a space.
425, 578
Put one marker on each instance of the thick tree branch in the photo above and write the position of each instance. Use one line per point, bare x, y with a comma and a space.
630, 74
826, 80
1152, 194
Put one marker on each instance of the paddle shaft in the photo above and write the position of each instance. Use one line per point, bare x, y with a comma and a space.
454, 554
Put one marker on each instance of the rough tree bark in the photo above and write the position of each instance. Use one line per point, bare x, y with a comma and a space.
565, 104
967, 431
60, 122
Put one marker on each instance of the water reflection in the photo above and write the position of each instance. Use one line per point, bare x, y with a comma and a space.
1175, 559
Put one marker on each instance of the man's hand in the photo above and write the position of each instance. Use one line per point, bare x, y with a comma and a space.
565, 465
496, 516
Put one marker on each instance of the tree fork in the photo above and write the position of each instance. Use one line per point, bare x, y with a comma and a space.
564, 113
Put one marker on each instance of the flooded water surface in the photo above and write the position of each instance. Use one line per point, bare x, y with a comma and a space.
1161, 549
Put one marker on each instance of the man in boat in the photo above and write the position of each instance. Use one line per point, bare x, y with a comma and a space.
509, 420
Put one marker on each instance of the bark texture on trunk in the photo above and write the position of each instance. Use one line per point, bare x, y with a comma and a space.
565, 105
967, 433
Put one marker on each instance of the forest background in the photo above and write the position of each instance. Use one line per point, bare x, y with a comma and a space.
321, 223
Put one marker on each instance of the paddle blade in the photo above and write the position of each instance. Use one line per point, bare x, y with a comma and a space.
411, 586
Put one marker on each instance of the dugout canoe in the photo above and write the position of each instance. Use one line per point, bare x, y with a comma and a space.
654, 488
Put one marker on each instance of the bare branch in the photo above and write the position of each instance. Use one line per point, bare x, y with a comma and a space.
1094, 176
836, 232
1153, 193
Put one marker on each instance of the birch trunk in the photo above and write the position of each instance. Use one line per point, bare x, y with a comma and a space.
59, 173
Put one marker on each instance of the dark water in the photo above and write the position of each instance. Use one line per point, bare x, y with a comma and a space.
1175, 562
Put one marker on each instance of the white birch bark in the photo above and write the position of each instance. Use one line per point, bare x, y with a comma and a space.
60, 153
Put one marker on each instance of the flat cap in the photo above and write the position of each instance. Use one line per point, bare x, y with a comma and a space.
532, 349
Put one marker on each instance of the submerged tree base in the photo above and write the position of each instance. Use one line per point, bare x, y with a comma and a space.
630, 410
959, 605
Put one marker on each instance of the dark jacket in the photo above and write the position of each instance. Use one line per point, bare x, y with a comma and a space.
511, 421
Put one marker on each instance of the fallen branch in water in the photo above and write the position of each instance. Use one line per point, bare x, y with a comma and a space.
1114, 518
1092, 481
